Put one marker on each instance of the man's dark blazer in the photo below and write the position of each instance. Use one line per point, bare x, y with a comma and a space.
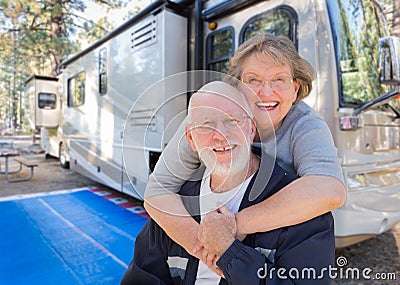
298, 254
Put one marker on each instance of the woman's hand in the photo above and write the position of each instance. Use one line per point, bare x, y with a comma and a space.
239, 235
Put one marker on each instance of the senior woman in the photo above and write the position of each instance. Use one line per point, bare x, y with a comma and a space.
275, 81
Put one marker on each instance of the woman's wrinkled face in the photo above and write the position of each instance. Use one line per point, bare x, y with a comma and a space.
270, 90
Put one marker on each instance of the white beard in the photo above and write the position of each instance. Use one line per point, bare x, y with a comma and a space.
237, 164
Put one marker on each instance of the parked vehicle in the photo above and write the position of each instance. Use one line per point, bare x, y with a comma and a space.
356, 93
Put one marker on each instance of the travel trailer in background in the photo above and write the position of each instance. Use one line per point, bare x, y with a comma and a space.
44, 98
356, 93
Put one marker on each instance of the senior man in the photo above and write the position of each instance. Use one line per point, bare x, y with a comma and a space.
221, 130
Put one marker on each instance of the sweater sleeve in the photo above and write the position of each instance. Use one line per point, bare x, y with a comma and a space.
304, 255
313, 149
177, 164
244, 265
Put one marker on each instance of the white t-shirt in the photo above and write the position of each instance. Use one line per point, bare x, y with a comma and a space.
208, 202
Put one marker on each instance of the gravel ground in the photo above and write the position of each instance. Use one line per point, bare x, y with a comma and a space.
381, 254
378, 257
48, 176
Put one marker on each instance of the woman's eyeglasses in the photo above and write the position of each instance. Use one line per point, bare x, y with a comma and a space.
279, 83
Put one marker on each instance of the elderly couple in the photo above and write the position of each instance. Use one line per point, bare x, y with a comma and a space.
248, 219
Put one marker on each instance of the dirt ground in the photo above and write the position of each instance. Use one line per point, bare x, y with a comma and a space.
381, 254
48, 176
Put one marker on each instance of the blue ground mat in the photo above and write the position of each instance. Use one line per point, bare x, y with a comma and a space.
73, 237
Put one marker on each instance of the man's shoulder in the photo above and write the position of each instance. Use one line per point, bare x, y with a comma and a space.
189, 193
190, 188
268, 180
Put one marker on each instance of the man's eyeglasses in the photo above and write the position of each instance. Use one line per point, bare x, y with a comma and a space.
209, 125
279, 83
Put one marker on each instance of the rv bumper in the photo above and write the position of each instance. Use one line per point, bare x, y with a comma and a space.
366, 214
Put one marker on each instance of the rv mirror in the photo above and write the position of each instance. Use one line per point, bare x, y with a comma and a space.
389, 60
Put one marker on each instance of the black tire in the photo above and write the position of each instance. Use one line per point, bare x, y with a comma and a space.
64, 163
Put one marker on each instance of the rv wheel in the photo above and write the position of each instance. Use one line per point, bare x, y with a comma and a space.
63, 157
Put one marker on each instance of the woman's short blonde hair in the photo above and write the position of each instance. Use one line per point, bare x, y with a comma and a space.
282, 50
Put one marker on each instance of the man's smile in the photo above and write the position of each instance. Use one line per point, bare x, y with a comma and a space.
225, 148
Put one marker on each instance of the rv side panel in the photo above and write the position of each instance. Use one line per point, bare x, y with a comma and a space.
94, 119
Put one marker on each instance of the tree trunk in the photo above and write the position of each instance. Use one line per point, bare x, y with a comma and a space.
56, 32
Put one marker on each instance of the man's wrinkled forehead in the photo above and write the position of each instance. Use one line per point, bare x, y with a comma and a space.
211, 104
219, 97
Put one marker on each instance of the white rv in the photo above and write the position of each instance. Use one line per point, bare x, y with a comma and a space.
355, 92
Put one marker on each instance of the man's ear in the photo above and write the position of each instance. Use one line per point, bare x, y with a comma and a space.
189, 137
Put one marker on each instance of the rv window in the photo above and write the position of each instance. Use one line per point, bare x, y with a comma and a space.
279, 21
357, 27
219, 48
47, 101
103, 71
76, 90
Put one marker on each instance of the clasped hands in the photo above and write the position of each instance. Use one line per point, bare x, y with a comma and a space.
217, 232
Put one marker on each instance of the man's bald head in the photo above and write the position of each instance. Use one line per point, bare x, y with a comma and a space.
220, 129
218, 92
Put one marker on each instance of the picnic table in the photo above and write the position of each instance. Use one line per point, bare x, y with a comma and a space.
22, 161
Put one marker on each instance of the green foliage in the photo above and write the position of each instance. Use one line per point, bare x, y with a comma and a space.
36, 36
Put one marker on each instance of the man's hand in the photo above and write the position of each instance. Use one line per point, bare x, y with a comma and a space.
217, 230
209, 258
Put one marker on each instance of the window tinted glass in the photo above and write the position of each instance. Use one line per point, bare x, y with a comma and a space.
357, 27
279, 21
76, 90
219, 48
220, 44
103, 71
47, 101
